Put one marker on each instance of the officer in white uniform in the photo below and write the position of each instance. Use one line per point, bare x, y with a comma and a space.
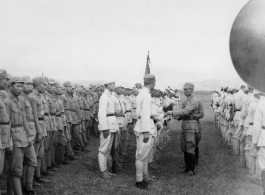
143, 127
107, 126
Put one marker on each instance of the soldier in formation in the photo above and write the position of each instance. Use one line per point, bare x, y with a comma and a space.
45, 124
238, 114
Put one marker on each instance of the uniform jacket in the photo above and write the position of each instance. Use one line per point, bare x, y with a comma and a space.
107, 107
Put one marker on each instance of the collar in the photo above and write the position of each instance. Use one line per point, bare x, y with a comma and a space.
115, 94
146, 89
12, 96
251, 95
36, 92
25, 95
107, 92
191, 96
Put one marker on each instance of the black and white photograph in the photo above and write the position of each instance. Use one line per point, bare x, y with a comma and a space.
132, 97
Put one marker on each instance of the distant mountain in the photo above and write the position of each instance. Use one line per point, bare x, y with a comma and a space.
212, 84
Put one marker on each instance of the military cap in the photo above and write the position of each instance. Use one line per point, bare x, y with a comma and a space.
118, 84
16, 80
47, 80
27, 79
39, 80
52, 82
9, 76
108, 81
188, 85
149, 78
67, 84
57, 84
3, 74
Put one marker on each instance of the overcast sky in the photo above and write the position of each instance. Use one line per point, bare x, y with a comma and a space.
188, 40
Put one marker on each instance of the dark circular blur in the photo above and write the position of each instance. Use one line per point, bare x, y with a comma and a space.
247, 44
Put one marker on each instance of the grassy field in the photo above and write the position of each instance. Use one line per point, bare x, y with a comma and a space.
218, 170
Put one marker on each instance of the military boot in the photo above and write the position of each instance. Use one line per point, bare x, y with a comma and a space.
105, 175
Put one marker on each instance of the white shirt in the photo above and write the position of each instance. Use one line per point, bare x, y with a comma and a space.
143, 110
238, 99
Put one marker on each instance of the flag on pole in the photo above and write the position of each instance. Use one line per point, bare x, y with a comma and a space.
148, 63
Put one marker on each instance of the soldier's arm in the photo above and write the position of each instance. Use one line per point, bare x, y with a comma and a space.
200, 111
33, 103
8, 108
145, 114
102, 113
184, 111
24, 120
257, 127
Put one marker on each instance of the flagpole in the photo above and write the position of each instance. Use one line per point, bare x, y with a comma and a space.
147, 68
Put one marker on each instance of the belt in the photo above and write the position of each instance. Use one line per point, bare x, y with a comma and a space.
46, 114
110, 115
15, 126
41, 119
31, 120
134, 108
127, 111
251, 123
53, 114
150, 117
4, 123
67, 109
188, 118
58, 115
263, 127
86, 109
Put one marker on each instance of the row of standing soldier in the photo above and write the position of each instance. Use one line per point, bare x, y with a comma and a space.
239, 115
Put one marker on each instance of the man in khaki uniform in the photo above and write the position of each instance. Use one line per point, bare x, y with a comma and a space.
73, 114
188, 114
62, 133
39, 85
5, 139
87, 114
52, 123
29, 105
22, 144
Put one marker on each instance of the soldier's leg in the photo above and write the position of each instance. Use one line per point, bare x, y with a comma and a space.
17, 169
198, 139
31, 162
253, 153
2, 162
9, 157
141, 155
77, 135
88, 132
48, 149
103, 154
190, 148
44, 158
83, 134
242, 155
